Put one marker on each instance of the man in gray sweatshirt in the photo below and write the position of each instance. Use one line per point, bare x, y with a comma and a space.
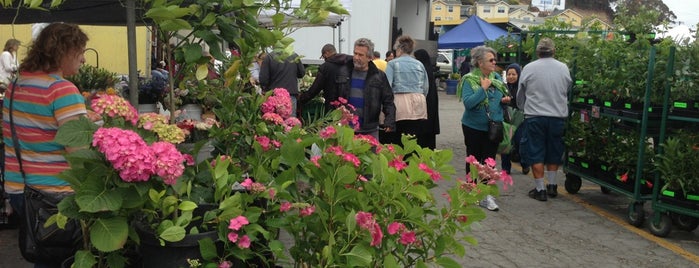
543, 96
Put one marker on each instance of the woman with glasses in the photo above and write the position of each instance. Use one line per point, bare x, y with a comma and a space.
484, 94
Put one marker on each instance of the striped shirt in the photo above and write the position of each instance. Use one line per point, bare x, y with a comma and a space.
41, 101
356, 96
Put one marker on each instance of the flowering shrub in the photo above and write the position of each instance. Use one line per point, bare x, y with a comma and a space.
343, 198
125, 167
197, 130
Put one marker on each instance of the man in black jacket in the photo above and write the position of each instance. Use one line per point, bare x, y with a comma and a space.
278, 73
357, 80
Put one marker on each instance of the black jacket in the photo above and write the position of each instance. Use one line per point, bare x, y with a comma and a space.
334, 77
281, 74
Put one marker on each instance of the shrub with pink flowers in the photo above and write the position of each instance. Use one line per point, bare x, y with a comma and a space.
343, 198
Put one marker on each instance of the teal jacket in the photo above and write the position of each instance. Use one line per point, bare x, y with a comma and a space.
474, 98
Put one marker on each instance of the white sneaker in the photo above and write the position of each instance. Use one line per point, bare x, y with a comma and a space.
489, 203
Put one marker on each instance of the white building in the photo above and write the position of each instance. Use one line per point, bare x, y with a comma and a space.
368, 18
549, 4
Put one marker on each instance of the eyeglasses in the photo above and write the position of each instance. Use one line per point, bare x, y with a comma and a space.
492, 60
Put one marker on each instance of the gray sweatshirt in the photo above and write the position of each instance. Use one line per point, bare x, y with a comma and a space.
543, 88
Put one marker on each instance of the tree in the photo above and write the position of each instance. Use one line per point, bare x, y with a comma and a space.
634, 7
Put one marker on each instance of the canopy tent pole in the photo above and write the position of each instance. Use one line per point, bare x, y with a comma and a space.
131, 43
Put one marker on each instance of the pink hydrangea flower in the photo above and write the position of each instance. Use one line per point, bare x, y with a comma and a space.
244, 241
272, 192
327, 132
169, 162
307, 211
365, 220
376, 235
490, 162
273, 118
398, 163
225, 264
407, 238
247, 183
285, 206
238, 222
113, 106
314, 160
233, 237
434, 175
127, 152
264, 142
395, 227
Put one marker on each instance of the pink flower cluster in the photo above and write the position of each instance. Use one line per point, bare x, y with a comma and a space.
235, 225
277, 109
304, 209
112, 106
487, 173
406, 237
254, 187
433, 173
135, 160
349, 157
266, 143
366, 221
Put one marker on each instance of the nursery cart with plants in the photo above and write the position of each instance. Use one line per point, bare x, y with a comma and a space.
675, 203
609, 136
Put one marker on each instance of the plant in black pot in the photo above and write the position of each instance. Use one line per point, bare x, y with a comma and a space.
151, 90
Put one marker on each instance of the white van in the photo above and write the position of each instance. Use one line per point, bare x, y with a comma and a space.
444, 62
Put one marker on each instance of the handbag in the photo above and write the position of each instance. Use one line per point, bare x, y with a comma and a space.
37, 241
495, 131
495, 128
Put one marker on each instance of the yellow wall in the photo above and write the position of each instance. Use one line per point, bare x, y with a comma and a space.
109, 41
444, 13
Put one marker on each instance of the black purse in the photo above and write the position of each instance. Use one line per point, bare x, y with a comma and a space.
37, 242
495, 129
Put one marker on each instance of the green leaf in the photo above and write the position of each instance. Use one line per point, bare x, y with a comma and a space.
187, 206
390, 262
207, 249
448, 262
84, 259
173, 234
192, 53
109, 234
419, 191
76, 133
359, 256
202, 71
95, 197
292, 152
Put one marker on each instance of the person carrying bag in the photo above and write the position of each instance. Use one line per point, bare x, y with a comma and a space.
40, 101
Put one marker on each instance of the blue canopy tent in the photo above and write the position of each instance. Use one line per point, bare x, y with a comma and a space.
471, 33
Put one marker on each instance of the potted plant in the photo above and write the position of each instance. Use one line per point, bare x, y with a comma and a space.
677, 163
452, 83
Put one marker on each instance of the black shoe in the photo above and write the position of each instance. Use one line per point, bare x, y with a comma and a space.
525, 170
538, 194
552, 189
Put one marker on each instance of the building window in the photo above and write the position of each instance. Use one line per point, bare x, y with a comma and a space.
438, 7
451, 9
501, 10
486, 9
437, 18
450, 18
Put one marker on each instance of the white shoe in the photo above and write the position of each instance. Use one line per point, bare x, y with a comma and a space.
489, 203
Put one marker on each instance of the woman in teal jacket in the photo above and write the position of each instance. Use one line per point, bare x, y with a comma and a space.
480, 90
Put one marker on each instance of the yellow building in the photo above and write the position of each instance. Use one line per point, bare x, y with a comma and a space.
569, 16
107, 45
493, 11
446, 12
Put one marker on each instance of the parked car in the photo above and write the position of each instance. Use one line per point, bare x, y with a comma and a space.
444, 62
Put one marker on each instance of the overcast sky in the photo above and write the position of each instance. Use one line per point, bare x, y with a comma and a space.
687, 13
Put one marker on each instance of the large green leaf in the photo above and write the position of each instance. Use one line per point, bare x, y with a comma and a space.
173, 234
95, 197
109, 234
207, 249
292, 152
76, 133
359, 256
84, 259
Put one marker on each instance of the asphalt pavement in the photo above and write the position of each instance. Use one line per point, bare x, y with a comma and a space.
587, 229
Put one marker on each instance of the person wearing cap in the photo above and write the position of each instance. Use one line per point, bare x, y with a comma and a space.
326, 78
543, 96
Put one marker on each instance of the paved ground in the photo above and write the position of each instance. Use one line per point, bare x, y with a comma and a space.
584, 230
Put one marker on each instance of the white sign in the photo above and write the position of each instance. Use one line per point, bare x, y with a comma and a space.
549, 4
